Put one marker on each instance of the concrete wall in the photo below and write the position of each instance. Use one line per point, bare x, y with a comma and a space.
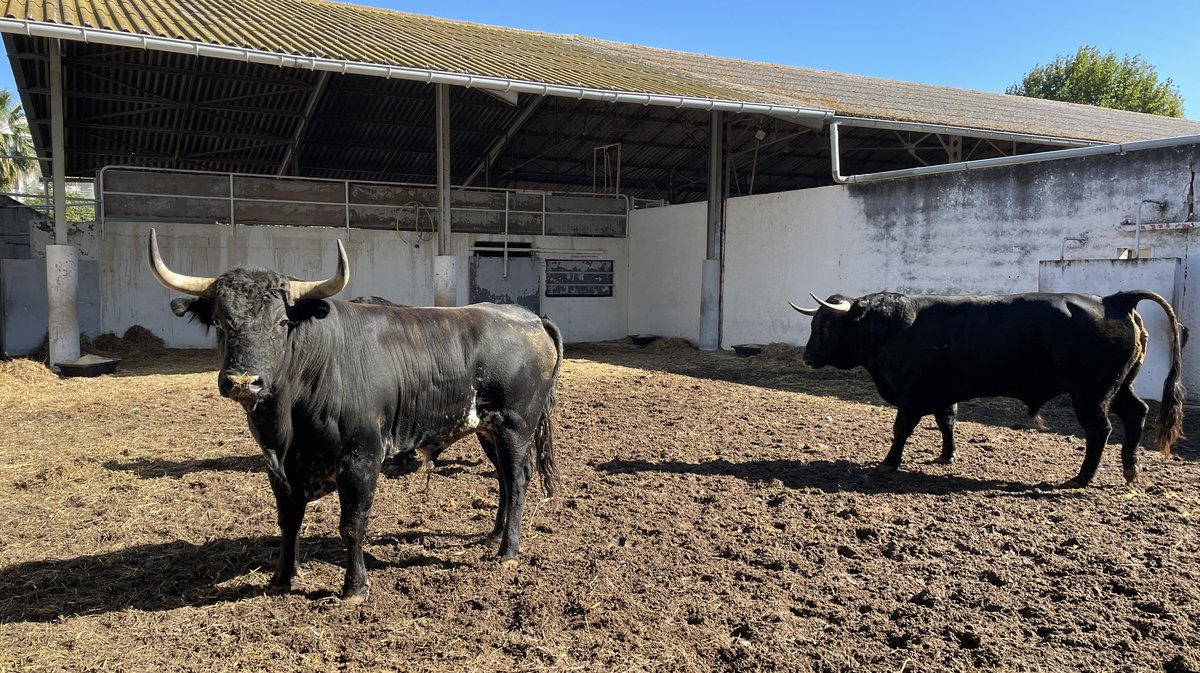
666, 259
15, 222
982, 231
396, 266
23, 304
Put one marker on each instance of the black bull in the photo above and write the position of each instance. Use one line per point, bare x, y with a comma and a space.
332, 388
927, 353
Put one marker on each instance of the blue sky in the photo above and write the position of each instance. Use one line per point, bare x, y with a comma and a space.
972, 45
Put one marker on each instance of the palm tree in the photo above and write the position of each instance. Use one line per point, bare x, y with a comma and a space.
16, 145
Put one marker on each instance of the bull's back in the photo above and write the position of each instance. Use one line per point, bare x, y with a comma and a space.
441, 364
1031, 347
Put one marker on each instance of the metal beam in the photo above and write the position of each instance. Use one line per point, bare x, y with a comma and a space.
504, 139
442, 95
309, 108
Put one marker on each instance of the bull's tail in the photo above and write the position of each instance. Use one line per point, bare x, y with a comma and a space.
1170, 414
543, 438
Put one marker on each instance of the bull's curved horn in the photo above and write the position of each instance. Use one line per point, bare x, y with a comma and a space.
842, 306
198, 286
320, 289
805, 311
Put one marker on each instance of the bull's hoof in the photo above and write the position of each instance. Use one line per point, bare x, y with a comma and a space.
1074, 483
943, 460
509, 563
278, 589
351, 597
886, 468
1130, 475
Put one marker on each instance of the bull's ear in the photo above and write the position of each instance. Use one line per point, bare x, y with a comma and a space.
308, 309
199, 307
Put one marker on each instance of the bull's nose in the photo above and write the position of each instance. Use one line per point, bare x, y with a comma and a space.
241, 386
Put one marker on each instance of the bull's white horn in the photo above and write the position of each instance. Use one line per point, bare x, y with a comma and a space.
320, 289
805, 311
842, 306
197, 286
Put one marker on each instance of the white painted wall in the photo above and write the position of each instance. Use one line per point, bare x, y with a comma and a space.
666, 259
977, 232
392, 265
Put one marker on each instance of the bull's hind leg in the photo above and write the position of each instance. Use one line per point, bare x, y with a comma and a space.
945, 422
902, 429
1093, 416
290, 513
489, 450
514, 469
1132, 412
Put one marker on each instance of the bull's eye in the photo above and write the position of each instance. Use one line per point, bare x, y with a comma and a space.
285, 323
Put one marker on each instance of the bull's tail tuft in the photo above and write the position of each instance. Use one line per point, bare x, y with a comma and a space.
543, 438
1170, 414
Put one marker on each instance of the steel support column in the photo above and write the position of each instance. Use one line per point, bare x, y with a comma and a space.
710, 283
445, 268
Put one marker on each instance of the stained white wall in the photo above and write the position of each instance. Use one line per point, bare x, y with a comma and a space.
396, 266
666, 259
977, 232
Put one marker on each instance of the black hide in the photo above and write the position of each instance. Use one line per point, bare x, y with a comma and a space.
331, 389
927, 353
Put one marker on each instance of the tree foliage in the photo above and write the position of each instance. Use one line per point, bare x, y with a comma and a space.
1092, 78
16, 145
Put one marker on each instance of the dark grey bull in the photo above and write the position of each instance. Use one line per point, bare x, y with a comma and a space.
927, 353
332, 388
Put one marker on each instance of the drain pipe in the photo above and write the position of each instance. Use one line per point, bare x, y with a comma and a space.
1052, 155
1137, 229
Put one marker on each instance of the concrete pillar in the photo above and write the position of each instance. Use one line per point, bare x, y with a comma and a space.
444, 264
710, 305
445, 277
710, 287
62, 260
62, 291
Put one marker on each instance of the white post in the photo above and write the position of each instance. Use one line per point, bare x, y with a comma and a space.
444, 264
62, 292
62, 260
445, 271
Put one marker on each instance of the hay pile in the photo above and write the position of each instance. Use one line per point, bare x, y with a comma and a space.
23, 370
783, 353
137, 340
669, 343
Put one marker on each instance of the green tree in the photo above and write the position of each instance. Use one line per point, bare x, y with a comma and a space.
16, 145
1092, 78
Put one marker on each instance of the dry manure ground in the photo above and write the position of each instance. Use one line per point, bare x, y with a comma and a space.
718, 514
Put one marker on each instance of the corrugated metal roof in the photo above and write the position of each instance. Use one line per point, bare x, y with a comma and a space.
314, 28
311, 28
254, 86
877, 98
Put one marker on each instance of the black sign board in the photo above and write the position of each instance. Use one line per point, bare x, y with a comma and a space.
579, 277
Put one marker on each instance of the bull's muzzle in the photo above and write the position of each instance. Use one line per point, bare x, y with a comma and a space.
241, 387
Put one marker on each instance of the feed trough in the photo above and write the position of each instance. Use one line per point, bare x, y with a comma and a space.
747, 350
88, 365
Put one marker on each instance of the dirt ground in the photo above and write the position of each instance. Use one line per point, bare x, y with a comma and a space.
718, 513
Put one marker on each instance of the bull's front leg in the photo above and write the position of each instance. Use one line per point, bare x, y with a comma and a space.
945, 422
290, 513
358, 474
902, 429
